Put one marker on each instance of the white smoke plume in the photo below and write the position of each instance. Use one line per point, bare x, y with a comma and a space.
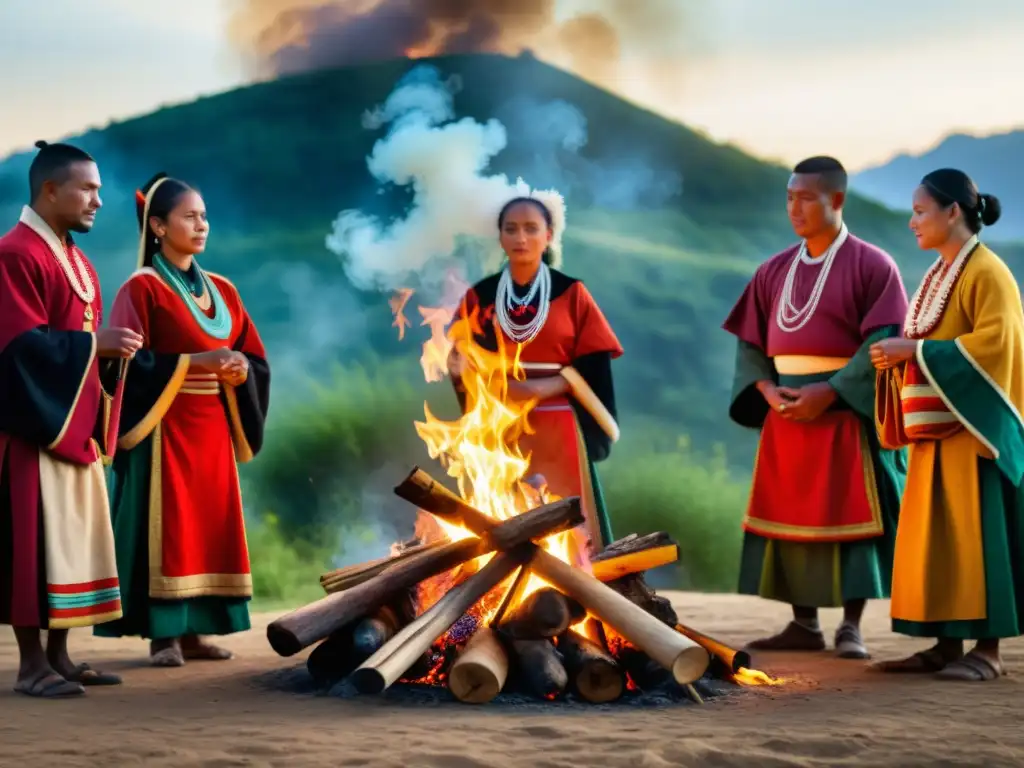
450, 228
452, 219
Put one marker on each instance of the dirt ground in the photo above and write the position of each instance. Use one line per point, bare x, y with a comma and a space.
829, 713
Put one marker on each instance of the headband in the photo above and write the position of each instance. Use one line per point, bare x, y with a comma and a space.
145, 200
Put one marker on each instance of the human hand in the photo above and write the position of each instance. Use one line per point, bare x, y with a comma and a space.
888, 353
775, 396
117, 342
236, 371
521, 391
215, 361
808, 402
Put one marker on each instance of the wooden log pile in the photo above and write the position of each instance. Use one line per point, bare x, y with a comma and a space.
592, 633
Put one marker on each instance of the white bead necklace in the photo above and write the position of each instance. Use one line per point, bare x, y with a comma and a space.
932, 295
506, 301
789, 317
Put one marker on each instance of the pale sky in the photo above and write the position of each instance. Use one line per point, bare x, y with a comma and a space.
781, 78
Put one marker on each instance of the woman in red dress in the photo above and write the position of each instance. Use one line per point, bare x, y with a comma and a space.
565, 348
195, 403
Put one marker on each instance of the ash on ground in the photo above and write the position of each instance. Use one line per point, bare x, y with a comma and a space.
298, 680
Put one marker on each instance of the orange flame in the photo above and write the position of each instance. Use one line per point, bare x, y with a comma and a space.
480, 450
755, 677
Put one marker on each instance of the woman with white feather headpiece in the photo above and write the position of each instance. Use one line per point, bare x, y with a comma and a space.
565, 348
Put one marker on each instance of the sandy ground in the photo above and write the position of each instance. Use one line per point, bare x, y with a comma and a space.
830, 713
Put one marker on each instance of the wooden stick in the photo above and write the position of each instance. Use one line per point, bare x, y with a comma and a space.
593, 674
686, 659
396, 656
733, 659
510, 597
299, 629
353, 575
480, 671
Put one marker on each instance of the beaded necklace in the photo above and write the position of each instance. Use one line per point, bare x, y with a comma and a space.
507, 304
932, 295
790, 318
219, 326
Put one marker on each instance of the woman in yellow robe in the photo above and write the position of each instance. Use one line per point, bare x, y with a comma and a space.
953, 390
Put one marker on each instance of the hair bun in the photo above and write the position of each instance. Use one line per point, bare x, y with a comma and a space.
42, 144
991, 209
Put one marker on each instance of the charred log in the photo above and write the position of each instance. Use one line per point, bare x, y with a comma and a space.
299, 629
593, 674
544, 614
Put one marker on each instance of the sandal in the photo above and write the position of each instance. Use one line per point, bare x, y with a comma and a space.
849, 643
928, 661
86, 675
51, 686
972, 668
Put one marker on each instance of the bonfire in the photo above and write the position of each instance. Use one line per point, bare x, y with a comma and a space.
499, 589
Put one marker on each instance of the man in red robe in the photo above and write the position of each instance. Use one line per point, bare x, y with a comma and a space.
57, 564
821, 522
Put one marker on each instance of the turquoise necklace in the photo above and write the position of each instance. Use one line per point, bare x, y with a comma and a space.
218, 326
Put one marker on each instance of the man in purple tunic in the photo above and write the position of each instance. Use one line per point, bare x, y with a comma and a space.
821, 524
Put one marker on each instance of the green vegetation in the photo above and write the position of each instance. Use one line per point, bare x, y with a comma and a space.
313, 495
276, 163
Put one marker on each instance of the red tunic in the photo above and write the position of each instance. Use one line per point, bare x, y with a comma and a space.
53, 409
575, 328
197, 532
815, 481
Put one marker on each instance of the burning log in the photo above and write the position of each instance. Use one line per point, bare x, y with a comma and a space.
686, 659
301, 628
354, 575
593, 674
634, 554
372, 632
546, 613
734, 660
480, 672
642, 669
539, 671
389, 663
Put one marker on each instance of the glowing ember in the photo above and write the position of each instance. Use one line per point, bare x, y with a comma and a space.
755, 677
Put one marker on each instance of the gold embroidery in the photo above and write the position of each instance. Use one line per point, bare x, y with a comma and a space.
149, 422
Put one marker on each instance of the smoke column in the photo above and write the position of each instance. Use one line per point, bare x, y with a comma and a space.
637, 47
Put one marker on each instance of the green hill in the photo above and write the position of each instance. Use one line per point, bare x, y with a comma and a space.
277, 162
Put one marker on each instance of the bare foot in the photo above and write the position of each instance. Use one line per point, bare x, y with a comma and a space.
923, 662
795, 637
193, 647
166, 653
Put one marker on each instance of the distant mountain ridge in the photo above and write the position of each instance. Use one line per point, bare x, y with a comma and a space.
994, 162
277, 161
